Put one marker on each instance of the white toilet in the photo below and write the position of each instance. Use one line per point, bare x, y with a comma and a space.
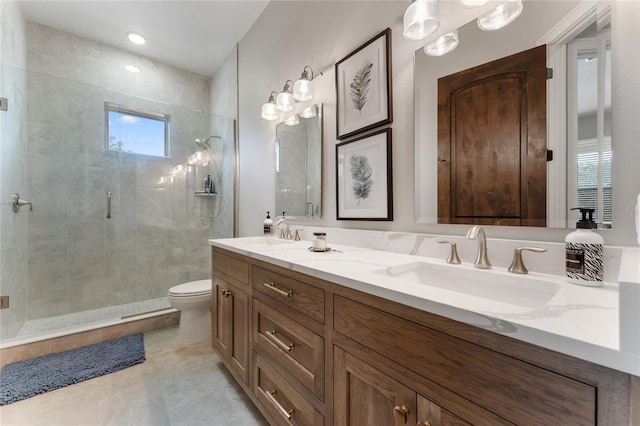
193, 300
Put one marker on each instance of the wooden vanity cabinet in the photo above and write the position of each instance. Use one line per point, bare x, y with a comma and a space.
230, 313
311, 352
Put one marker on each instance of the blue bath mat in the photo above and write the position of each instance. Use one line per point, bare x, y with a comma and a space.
24, 379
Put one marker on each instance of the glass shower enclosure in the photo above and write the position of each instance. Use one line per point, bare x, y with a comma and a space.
111, 230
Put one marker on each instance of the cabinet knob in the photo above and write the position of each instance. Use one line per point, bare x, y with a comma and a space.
403, 412
425, 423
226, 293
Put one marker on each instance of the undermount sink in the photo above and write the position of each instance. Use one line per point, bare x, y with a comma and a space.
513, 289
265, 241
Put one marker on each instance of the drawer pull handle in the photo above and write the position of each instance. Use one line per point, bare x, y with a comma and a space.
272, 286
274, 339
402, 411
287, 413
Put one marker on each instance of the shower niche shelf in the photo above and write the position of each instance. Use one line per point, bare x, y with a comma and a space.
205, 194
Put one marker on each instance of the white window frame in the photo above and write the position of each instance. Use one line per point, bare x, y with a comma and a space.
165, 118
582, 16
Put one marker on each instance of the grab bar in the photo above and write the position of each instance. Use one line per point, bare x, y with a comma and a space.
108, 205
19, 202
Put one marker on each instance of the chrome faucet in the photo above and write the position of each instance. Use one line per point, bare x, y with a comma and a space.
482, 260
285, 233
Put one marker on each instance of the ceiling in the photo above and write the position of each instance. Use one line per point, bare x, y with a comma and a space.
193, 35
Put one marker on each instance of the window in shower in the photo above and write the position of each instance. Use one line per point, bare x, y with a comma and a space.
136, 131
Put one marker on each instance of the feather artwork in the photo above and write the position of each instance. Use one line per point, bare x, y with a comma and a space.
361, 85
361, 173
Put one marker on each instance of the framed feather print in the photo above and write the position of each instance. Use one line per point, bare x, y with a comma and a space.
363, 87
364, 184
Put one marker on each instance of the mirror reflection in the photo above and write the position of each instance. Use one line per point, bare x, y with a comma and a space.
299, 164
578, 121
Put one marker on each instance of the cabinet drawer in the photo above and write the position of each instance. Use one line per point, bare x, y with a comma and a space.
280, 399
302, 297
230, 266
297, 349
515, 390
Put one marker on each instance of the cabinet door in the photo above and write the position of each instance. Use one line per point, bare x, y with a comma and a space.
431, 414
231, 325
365, 396
221, 328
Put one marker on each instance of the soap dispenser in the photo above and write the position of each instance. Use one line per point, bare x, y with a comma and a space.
585, 252
268, 226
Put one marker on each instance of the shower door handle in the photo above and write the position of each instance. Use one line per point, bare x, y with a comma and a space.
108, 205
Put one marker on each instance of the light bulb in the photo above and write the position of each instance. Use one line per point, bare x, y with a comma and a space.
269, 111
308, 112
285, 101
420, 19
474, 3
136, 38
292, 120
442, 45
302, 90
501, 16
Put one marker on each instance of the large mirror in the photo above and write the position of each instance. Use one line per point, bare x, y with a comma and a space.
299, 165
578, 112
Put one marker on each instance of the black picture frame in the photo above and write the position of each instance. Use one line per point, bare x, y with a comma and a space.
364, 178
364, 95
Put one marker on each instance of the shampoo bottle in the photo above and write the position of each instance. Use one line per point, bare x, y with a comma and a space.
268, 226
585, 252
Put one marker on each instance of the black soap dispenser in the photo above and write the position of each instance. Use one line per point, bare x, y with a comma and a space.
584, 252
268, 226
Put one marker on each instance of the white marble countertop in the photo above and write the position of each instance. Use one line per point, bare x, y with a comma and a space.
584, 322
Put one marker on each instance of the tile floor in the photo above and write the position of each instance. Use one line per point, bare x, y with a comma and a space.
176, 386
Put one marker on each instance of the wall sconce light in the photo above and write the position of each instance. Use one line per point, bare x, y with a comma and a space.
269, 111
308, 112
420, 19
303, 88
501, 16
285, 100
292, 120
443, 44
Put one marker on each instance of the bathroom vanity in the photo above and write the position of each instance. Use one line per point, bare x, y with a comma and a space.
347, 338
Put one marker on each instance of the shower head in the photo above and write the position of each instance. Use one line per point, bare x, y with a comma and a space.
204, 143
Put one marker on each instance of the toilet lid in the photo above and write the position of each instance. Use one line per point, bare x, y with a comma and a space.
193, 288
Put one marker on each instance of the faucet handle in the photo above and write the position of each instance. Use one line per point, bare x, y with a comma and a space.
453, 254
297, 237
517, 265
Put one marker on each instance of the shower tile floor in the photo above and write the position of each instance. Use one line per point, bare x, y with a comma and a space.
177, 385
101, 316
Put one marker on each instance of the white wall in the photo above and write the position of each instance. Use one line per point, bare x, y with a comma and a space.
290, 35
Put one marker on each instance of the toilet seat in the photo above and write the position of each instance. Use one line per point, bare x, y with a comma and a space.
191, 289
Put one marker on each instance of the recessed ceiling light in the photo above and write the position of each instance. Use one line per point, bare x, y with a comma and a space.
136, 38
131, 68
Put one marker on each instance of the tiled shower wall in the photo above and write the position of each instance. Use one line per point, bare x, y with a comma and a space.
13, 176
77, 259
